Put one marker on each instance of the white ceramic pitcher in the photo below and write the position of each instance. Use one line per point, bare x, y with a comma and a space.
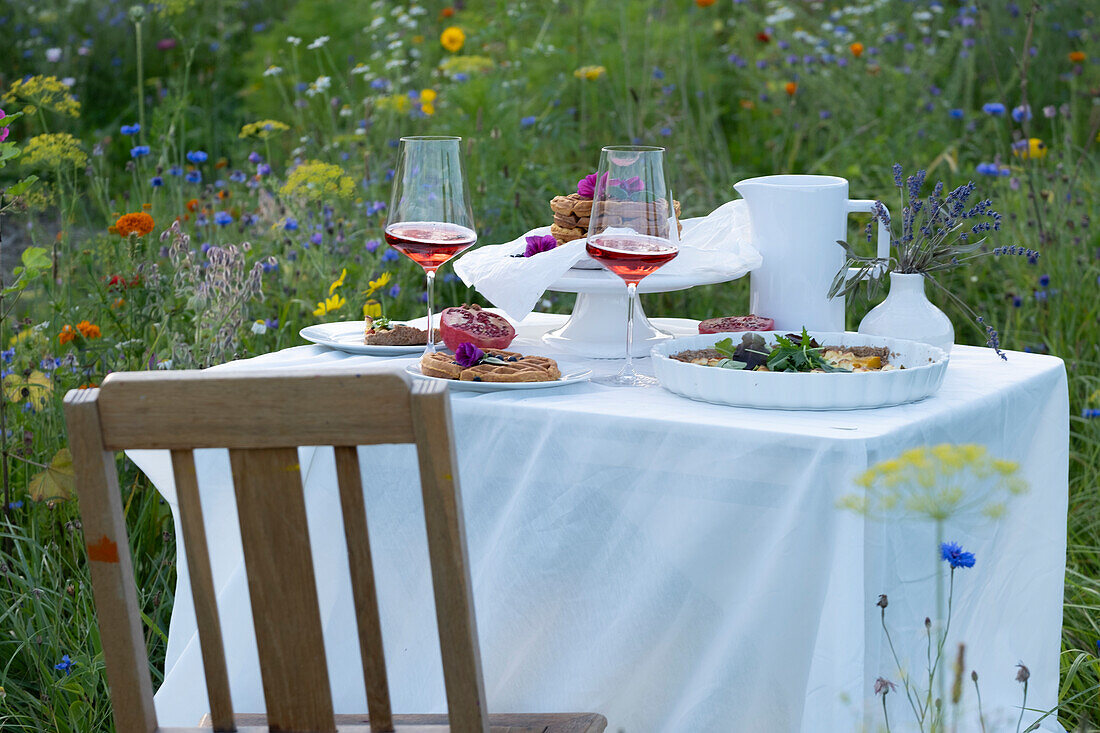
796, 223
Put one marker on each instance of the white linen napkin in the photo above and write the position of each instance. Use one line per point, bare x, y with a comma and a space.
717, 244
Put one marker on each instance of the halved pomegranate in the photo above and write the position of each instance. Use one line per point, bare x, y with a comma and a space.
472, 325
736, 323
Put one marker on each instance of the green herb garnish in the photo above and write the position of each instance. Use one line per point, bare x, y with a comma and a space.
381, 323
803, 356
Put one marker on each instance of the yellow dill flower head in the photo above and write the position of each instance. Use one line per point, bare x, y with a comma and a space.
936, 483
452, 39
591, 73
45, 92
394, 102
263, 129
315, 181
465, 64
54, 150
329, 305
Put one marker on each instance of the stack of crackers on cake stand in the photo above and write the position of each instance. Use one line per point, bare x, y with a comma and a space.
573, 213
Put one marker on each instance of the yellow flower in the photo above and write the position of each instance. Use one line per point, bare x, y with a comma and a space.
427, 95
46, 92
339, 282
263, 129
591, 73
452, 39
314, 181
54, 150
372, 309
395, 102
1036, 148
428, 108
936, 483
375, 285
330, 305
465, 65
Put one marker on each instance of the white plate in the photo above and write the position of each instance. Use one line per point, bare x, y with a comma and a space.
348, 336
925, 367
571, 378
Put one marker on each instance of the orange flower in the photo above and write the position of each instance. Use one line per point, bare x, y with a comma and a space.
114, 230
192, 204
223, 195
1077, 57
89, 385
222, 163
856, 49
146, 207
791, 87
704, 3
138, 223
88, 330
119, 302
67, 334
447, 12
748, 104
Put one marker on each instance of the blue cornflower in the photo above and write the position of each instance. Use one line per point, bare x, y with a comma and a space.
952, 553
65, 665
219, 183
197, 156
372, 245
223, 218
238, 177
666, 132
1088, 413
139, 151
423, 298
271, 322
255, 157
528, 121
389, 255
292, 255
175, 171
290, 224
263, 169
658, 74
1017, 301
957, 114
459, 77
1044, 281
130, 129
374, 207
450, 277
16, 504
1021, 113
270, 266
379, 84
395, 291
156, 181
193, 177
7, 355
316, 238
993, 108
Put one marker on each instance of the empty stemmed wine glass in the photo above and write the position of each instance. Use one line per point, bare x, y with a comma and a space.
632, 231
430, 220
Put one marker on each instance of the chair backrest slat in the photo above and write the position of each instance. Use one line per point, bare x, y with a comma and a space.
363, 588
111, 568
248, 409
281, 585
202, 589
454, 605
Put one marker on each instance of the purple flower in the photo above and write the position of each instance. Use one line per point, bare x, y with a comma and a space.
632, 184
156, 181
255, 157
666, 132
537, 244
316, 238
952, 553
467, 355
372, 245
528, 121
586, 187
389, 255
223, 218
395, 291
1021, 113
65, 665
263, 169
884, 686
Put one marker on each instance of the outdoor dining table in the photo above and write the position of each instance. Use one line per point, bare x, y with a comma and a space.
675, 565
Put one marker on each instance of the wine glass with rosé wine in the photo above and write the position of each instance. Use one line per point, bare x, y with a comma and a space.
430, 219
632, 231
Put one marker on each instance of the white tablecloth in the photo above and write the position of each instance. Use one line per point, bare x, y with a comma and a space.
675, 565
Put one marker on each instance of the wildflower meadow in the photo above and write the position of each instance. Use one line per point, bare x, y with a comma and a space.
187, 182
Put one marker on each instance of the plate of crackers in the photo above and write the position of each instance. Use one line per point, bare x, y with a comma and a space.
377, 337
494, 370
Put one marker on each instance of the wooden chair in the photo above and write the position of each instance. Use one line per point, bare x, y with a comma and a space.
261, 419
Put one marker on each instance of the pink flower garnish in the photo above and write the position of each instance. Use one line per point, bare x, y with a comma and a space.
468, 355
586, 187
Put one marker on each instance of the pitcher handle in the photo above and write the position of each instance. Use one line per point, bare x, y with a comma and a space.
866, 206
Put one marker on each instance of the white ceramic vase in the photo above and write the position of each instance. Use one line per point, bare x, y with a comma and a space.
908, 314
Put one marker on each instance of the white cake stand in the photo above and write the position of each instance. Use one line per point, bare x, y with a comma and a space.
597, 326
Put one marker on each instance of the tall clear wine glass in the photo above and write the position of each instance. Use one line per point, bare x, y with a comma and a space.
430, 219
632, 231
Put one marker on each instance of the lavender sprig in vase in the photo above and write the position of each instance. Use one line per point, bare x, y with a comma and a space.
938, 233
